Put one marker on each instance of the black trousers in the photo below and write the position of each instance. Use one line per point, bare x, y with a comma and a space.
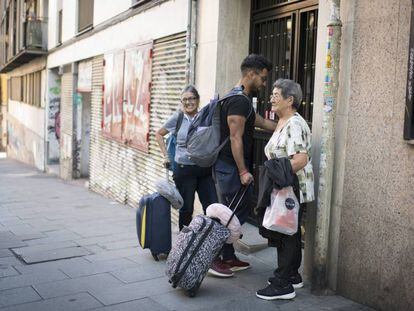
189, 179
289, 252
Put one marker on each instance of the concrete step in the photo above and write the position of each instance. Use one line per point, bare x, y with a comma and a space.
251, 241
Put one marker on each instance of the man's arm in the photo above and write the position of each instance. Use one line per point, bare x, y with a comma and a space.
265, 124
236, 125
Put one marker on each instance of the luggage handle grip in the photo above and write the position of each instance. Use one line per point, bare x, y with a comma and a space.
242, 189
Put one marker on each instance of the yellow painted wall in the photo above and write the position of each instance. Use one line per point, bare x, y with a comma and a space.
3, 85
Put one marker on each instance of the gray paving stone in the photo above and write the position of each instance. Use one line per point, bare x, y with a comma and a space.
87, 268
7, 271
45, 267
5, 253
141, 273
18, 296
30, 279
122, 253
9, 240
22, 251
120, 244
244, 304
53, 237
10, 261
146, 304
33, 236
23, 229
56, 254
213, 292
133, 291
72, 286
78, 302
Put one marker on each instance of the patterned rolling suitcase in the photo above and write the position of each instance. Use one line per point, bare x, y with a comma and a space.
153, 221
196, 247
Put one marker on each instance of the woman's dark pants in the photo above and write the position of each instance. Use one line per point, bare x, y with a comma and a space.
189, 179
289, 253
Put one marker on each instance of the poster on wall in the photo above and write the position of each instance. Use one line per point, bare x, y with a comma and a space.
117, 96
137, 79
107, 101
113, 95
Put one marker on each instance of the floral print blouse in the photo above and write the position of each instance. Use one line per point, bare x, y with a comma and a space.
293, 138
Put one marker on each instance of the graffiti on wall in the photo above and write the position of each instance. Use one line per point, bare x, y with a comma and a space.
53, 118
77, 139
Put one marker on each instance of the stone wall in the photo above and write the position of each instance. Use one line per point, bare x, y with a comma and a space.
376, 246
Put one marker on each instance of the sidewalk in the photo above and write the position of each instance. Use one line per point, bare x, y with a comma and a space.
65, 248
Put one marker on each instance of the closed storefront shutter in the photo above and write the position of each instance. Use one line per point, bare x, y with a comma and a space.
122, 172
66, 123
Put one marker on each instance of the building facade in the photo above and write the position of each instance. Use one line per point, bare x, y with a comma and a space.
115, 70
23, 58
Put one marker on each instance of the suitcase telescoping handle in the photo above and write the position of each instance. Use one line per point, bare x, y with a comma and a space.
243, 191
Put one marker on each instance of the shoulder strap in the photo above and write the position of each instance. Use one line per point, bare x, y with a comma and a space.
237, 94
179, 122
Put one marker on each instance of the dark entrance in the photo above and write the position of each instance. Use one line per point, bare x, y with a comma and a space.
285, 32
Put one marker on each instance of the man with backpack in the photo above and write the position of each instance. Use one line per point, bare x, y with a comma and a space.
232, 168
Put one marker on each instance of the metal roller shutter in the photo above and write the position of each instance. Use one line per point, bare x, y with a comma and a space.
125, 173
66, 123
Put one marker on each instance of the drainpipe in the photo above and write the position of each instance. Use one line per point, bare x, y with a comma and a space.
323, 212
191, 44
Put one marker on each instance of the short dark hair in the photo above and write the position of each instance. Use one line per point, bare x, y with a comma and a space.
255, 62
290, 88
191, 88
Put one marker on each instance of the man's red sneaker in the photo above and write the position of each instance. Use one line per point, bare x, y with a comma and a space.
220, 269
236, 264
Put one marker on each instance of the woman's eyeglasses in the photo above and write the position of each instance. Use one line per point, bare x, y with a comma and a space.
188, 99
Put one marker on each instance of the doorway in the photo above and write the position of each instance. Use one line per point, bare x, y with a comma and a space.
285, 32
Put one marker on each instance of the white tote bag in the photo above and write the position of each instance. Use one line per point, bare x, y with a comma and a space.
283, 213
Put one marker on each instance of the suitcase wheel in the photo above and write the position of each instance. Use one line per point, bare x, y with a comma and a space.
155, 256
192, 293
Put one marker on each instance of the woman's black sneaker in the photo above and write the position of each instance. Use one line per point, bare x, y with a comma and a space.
296, 281
276, 292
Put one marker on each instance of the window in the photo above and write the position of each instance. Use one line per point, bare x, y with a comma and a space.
85, 14
59, 34
16, 88
27, 88
127, 96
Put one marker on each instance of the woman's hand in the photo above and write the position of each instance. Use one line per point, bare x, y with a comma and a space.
159, 137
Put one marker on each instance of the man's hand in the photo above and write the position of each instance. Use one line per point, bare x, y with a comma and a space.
246, 179
265, 124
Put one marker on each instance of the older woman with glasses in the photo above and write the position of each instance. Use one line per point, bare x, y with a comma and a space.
291, 140
188, 177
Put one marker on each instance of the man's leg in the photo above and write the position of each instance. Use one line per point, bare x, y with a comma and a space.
228, 183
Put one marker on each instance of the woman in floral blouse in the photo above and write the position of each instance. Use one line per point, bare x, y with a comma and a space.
291, 139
